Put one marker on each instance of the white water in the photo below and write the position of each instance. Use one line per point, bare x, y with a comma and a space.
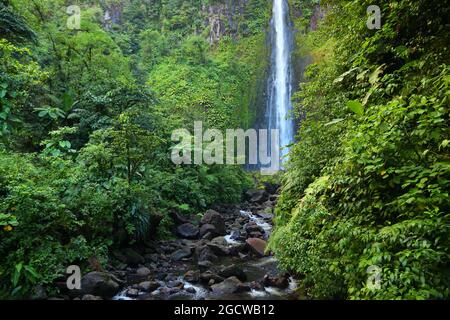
279, 86
267, 227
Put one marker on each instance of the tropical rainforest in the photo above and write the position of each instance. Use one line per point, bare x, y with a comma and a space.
87, 112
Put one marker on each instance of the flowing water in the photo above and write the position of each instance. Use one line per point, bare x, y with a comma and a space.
255, 269
280, 79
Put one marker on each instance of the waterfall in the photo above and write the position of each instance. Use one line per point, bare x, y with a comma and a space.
279, 81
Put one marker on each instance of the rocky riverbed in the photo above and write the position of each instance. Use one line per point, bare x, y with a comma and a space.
220, 256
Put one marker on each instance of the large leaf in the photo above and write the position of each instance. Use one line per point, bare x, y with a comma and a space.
356, 107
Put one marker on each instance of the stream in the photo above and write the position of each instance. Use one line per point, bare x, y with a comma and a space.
233, 270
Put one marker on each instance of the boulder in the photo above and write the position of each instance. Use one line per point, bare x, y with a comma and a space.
192, 276
188, 231
181, 254
204, 253
253, 227
91, 297
221, 241
143, 272
265, 216
218, 249
237, 249
257, 195
233, 271
99, 284
132, 293
208, 228
281, 282
228, 286
257, 246
214, 218
148, 286
204, 265
179, 218
208, 236
207, 276
191, 290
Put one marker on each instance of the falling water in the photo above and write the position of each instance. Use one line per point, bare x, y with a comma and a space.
279, 82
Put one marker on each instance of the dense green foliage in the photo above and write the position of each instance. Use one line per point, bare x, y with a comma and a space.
86, 118
368, 181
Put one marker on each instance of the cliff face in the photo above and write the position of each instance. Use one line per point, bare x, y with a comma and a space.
218, 19
223, 18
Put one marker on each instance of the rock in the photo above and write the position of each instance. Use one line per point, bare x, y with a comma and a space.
256, 286
242, 256
99, 284
179, 218
236, 235
148, 286
256, 234
233, 271
143, 272
253, 227
192, 276
175, 284
228, 286
151, 257
218, 249
208, 236
281, 282
91, 297
132, 293
208, 228
257, 246
181, 254
188, 231
237, 249
191, 290
219, 241
266, 216
204, 253
132, 257
204, 265
207, 276
214, 218
257, 196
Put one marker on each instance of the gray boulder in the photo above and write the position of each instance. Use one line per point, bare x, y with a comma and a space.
233, 271
214, 218
99, 284
188, 231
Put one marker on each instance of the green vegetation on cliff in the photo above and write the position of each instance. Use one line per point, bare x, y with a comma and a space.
367, 185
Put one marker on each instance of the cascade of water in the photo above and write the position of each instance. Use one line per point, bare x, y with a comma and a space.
279, 82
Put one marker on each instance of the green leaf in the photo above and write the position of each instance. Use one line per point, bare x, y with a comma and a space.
16, 275
334, 121
374, 76
42, 113
356, 107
